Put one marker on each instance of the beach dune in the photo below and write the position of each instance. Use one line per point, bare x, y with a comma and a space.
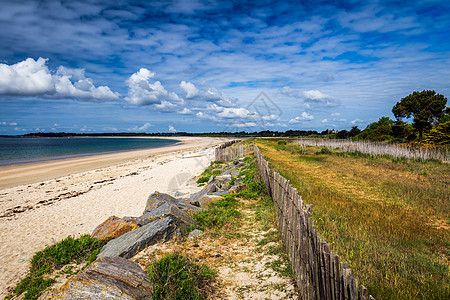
42, 203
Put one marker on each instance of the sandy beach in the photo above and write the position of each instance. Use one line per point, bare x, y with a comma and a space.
42, 203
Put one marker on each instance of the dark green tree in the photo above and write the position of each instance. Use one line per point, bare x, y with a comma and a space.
426, 108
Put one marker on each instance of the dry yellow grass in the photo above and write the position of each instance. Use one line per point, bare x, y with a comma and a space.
388, 219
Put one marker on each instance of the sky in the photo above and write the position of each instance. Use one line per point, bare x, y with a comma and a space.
210, 66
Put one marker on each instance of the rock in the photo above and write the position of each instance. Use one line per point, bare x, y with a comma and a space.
157, 199
130, 243
223, 178
108, 278
195, 233
205, 200
236, 189
209, 188
189, 206
182, 218
114, 227
233, 172
238, 181
210, 179
219, 193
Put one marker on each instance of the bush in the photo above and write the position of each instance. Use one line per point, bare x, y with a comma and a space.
219, 213
176, 277
203, 179
282, 143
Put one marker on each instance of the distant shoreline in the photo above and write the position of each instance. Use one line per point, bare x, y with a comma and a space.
48, 157
20, 174
43, 159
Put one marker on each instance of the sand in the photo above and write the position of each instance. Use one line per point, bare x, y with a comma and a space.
42, 203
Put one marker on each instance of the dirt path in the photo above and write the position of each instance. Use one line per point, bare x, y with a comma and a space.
250, 261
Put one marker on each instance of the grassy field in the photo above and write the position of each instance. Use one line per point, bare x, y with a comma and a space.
388, 218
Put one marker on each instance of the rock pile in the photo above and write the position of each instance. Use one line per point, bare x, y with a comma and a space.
112, 275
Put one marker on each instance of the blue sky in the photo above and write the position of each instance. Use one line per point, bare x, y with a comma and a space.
200, 66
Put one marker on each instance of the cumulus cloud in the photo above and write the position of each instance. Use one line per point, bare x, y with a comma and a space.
190, 89
304, 117
185, 111
172, 129
315, 95
144, 127
142, 92
357, 121
166, 106
324, 121
33, 78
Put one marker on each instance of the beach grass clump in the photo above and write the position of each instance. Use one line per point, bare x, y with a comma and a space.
222, 212
55, 257
177, 277
386, 218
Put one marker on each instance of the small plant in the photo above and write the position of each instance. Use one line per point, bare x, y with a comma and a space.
423, 172
203, 179
219, 213
56, 256
324, 150
176, 277
281, 143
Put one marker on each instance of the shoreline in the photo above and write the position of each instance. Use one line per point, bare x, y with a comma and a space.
43, 159
84, 192
25, 173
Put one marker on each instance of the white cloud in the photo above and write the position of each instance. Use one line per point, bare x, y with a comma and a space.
166, 106
33, 78
335, 114
144, 127
185, 111
190, 89
142, 92
357, 121
172, 129
28, 77
247, 124
324, 121
304, 117
8, 123
315, 95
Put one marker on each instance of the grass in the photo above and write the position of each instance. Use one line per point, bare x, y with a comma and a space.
43, 263
388, 218
177, 277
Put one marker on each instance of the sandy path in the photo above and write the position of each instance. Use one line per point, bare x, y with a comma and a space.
38, 214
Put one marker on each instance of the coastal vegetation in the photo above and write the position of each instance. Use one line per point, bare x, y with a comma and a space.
55, 260
388, 217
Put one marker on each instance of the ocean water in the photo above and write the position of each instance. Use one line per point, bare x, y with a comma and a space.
26, 150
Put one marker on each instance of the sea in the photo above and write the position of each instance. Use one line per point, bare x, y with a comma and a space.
30, 150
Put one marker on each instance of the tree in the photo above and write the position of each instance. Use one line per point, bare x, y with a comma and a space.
439, 135
425, 107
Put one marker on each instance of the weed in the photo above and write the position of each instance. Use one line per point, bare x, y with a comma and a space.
53, 257
324, 150
176, 277
203, 179
219, 213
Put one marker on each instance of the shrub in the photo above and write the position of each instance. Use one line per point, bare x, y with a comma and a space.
281, 143
176, 277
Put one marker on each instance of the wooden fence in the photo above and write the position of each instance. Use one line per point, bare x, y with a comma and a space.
227, 151
317, 270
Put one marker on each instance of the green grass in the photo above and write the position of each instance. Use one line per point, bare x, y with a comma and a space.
385, 217
44, 262
220, 213
176, 277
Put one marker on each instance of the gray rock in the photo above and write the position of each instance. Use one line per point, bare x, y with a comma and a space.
238, 181
108, 278
157, 199
223, 178
233, 172
209, 188
182, 218
236, 189
219, 193
130, 243
195, 233
189, 206
210, 179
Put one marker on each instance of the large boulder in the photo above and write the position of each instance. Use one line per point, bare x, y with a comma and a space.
182, 218
114, 227
209, 188
108, 278
137, 240
157, 199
